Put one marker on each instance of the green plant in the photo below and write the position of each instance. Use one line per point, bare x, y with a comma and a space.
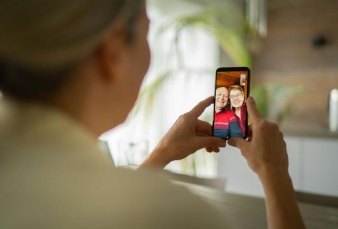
274, 100
223, 20
227, 24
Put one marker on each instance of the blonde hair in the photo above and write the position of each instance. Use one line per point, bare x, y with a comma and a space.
236, 87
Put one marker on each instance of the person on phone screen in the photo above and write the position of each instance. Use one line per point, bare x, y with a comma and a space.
238, 105
225, 122
65, 67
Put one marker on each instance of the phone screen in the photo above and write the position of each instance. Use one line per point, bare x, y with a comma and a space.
232, 86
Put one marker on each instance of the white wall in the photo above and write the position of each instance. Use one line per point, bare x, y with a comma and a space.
312, 166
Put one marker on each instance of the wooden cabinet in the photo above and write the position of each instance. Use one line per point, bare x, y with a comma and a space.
313, 167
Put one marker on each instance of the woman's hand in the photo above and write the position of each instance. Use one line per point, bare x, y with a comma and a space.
265, 152
185, 137
265, 147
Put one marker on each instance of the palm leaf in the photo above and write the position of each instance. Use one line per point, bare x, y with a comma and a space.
211, 19
275, 101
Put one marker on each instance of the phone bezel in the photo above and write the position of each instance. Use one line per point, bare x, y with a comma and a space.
232, 69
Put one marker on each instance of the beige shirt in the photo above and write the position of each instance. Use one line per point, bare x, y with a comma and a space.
53, 175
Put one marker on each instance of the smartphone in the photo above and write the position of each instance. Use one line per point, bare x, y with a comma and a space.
232, 88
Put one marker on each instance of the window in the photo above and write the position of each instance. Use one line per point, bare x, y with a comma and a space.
179, 77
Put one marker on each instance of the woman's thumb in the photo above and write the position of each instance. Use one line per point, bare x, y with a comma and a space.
211, 142
237, 142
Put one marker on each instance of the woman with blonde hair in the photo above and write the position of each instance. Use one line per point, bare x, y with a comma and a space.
237, 104
71, 70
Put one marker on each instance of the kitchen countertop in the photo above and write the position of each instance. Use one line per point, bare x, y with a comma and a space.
249, 212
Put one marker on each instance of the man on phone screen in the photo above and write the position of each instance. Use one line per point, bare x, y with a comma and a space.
225, 122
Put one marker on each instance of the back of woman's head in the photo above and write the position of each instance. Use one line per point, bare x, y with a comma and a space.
42, 41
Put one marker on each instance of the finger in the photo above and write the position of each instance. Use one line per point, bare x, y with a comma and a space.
252, 110
237, 142
249, 130
204, 127
209, 142
200, 107
212, 149
209, 149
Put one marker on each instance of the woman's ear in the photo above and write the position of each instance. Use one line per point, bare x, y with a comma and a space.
111, 55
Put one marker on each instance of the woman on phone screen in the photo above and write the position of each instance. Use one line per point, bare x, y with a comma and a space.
238, 105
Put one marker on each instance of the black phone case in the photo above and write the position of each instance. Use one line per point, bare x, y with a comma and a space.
247, 93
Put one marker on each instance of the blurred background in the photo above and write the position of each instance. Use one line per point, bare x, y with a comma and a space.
291, 47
